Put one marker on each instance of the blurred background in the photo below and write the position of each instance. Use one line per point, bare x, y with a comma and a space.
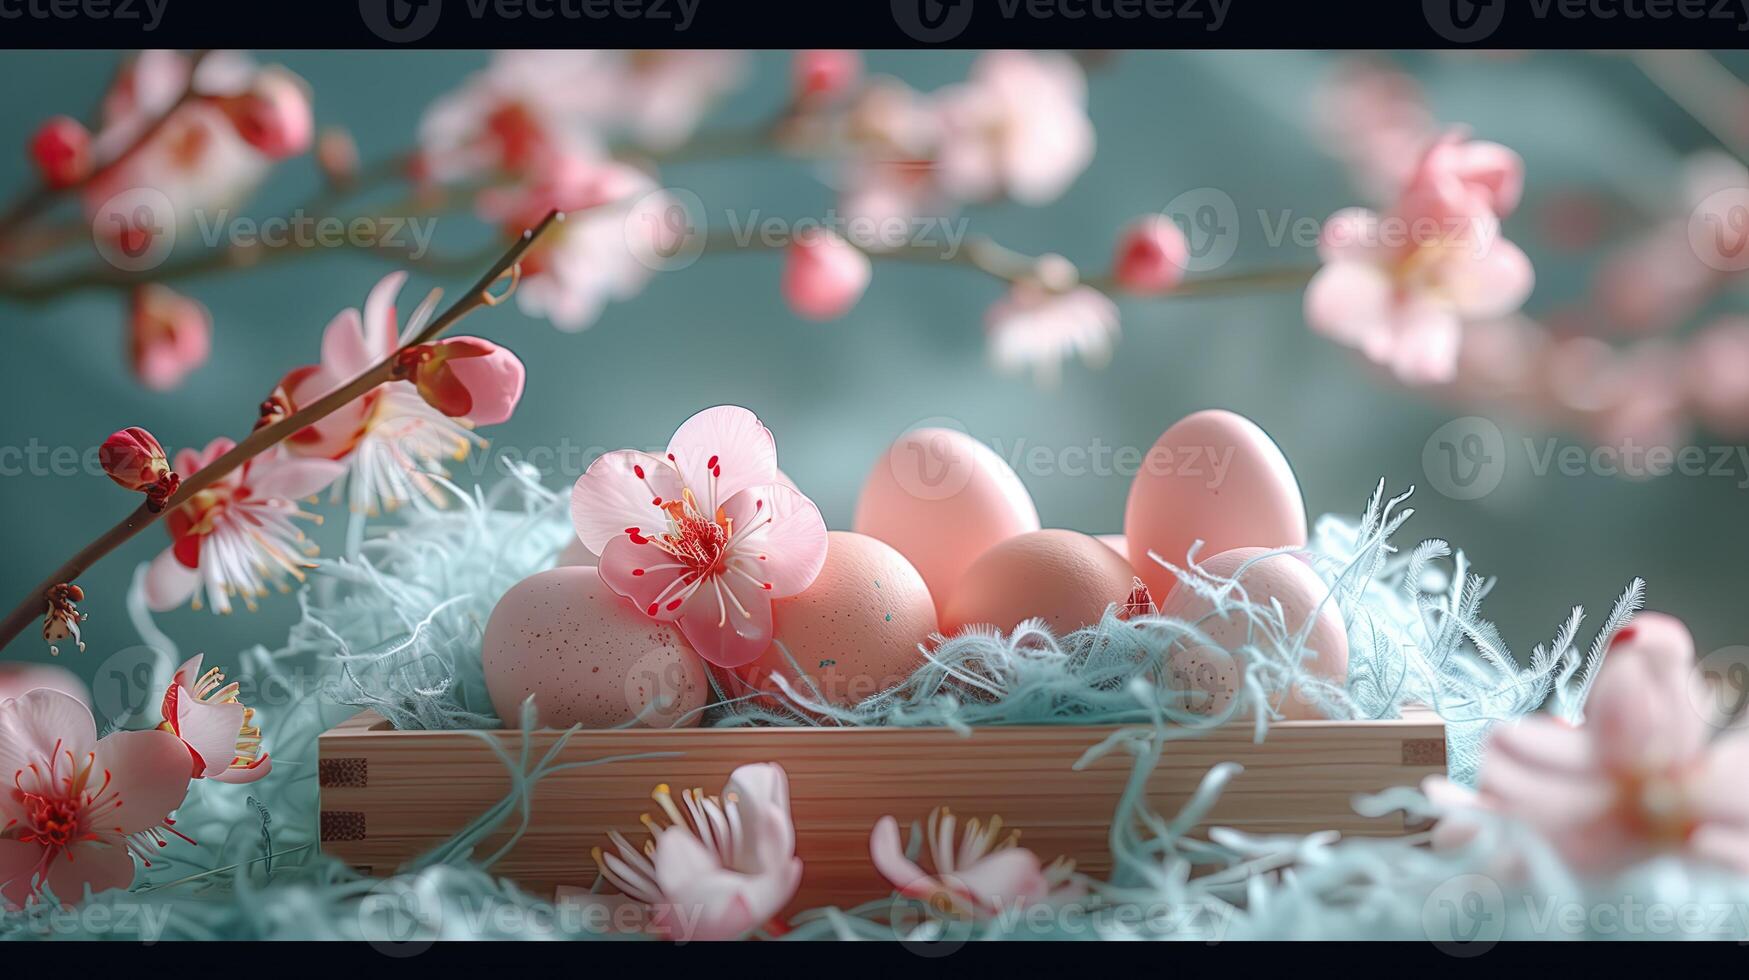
1610, 161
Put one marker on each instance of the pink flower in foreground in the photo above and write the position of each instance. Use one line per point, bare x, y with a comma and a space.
720, 868
236, 536
984, 874
706, 535
169, 336
391, 440
1644, 774
466, 377
824, 275
1017, 127
72, 802
1046, 318
204, 712
1399, 286
1151, 255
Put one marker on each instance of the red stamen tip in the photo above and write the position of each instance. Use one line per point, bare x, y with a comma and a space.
637, 572
639, 470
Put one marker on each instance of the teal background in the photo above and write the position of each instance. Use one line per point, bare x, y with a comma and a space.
836, 394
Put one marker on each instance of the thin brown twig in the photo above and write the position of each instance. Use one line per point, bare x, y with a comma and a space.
268, 436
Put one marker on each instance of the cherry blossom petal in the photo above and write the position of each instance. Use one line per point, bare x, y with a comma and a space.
703, 900
1545, 743
149, 771
721, 632
293, 478
887, 851
98, 865
210, 729
766, 824
380, 331
18, 861
1003, 879
1423, 348
169, 584
735, 441
1349, 302
646, 575
612, 496
1493, 283
42, 725
793, 543
1351, 235
1641, 716
346, 351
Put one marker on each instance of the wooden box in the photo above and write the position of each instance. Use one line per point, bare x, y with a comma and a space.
388, 795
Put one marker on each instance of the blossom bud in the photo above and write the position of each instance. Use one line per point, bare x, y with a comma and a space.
133, 458
61, 150
466, 377
169, 335
825, 275
822, 75
274, 115
1151, 255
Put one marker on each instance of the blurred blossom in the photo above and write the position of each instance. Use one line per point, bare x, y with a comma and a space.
1399, 286
1151, 255
1044, 319
615, 222
169, 336
659, 97
61, 150
1655, 281
824, 275
821, 75
1374, 118
1643, 403
1018, 127
274, 114
1716, 376
522, 108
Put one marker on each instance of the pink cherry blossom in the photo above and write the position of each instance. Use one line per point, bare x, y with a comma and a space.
1017, 127
467, 377
18, 679
617, 228
1151, 255
1399, 286
274, 115
391, 440
74, 802
705, 535
720, 868
169, 336
658, 97
523, 108
237, 535
1645, 773
982, 874
1374, 117
824, 275
1046, 318
219, 730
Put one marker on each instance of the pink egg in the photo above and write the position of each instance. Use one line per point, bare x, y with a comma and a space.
1216, 477
941, 498
1115, 542
1280, 577
1065, 578
589, 658
855, 631
17, 679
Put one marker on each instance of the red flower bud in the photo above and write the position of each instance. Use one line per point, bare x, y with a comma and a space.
61, 150
133, 458
825, 74
466, 377
1151, 256
274, 115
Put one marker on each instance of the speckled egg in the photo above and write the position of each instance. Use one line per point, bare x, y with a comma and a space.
1065, 578
855, 631
589, 658
1282, 578
941, 498
1215, 477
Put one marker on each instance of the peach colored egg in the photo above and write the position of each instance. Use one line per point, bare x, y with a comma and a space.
589, 658
575, 554
941, 498
18, 679
855, 631
1065, 578
1282, 578
1215, 477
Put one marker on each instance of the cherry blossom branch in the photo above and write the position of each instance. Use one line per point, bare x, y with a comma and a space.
270, 435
